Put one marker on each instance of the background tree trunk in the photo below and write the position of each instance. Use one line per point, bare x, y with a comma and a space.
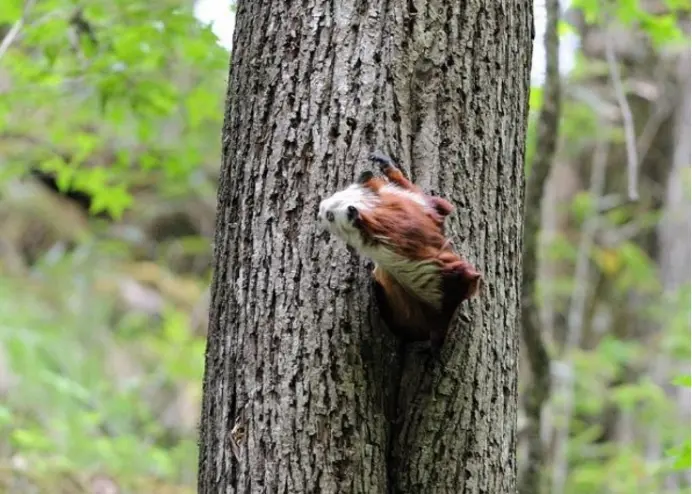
301, 379
629, 313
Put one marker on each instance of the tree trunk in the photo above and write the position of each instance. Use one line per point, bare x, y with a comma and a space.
674, 261
301, 381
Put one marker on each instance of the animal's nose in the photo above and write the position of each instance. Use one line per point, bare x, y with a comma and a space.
330, 216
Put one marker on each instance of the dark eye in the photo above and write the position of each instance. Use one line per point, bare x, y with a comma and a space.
351, 213
330, 216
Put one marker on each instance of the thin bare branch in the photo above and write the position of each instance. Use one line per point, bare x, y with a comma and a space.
14, 30
539, 360
628, 121
10, 36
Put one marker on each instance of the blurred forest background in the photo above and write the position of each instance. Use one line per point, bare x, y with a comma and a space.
110, 122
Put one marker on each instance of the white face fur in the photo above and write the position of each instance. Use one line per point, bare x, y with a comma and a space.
337, 213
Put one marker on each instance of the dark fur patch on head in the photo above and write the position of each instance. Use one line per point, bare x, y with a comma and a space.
364, 177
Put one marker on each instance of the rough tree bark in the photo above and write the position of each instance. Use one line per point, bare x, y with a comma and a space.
301, 380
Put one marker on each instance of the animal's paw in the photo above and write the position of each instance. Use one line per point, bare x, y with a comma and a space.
383, 161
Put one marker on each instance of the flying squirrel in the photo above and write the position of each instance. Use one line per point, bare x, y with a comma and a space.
418, 281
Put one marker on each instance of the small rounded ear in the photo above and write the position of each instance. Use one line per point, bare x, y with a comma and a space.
442, 206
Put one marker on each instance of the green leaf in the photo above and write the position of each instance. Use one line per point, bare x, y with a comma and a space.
5, 416
11, 11
682, 456
64, 178
583, 206
629, 11
662, 29
202, 105
32, 440
535, 98
680, 5
640, 270
590, 8
114, 200
564, 28
684, 380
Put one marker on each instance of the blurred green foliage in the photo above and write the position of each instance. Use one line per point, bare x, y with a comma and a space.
121, 79
123, 100
612, 374
662, 28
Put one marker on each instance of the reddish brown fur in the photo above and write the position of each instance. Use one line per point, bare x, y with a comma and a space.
440, 208
405, 225
417, 234
413, 320
408, 316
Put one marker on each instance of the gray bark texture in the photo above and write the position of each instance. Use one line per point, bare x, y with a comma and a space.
304, 388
